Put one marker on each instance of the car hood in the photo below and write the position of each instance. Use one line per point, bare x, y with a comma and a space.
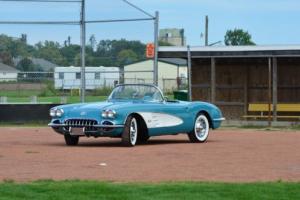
88, 110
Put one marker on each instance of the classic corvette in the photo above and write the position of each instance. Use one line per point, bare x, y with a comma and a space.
134, 113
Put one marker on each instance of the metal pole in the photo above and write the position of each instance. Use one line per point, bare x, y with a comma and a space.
155, 64
269, 90
206, 30
213, 80
275, 97
82, 41
189, 72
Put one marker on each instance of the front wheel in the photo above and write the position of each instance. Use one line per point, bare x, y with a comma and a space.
130, 132
71, 140
201, 129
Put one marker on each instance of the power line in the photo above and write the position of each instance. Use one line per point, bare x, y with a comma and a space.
45, 1
118, 20
138, 8
41, 22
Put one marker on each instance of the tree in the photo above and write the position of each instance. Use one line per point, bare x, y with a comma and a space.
6, 58
50, 51
93, 42
126, 56
238, 37
25, 65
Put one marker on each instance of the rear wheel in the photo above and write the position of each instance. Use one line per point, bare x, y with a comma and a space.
130, 132
201, 129
71, 140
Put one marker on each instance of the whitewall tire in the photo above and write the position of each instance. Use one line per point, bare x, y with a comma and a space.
130, 132
201, 129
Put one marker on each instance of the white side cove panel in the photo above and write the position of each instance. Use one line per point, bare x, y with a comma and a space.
159, 120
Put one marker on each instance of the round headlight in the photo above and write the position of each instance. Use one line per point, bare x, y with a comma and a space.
104, 114
52, 113
108, 113
59, 112
111, 114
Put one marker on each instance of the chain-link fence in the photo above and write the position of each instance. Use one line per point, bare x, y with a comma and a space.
64, 86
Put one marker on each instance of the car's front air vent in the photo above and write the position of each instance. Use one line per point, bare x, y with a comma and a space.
80, 122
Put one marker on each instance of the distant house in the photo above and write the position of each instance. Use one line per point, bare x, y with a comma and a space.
8, 73
96, 77
40, 62
169, 70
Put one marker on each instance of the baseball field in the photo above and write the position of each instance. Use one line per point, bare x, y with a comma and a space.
233, 164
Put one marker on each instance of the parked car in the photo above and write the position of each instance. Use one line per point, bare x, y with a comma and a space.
134, 113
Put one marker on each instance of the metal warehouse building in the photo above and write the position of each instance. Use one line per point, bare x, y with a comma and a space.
242, 80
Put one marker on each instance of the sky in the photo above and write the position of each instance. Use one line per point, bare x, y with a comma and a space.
270, 22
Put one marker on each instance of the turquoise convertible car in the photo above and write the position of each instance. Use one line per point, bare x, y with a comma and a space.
134, 113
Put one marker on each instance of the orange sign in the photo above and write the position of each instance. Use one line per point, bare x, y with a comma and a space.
150, 50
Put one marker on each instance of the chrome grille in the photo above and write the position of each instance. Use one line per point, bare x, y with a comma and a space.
80, 122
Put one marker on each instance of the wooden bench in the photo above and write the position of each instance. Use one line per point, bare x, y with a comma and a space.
263, 109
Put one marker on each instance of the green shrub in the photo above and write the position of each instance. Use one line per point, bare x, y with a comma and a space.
49, 90
104, 91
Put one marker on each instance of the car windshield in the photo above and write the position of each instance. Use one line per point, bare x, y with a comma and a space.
136, 92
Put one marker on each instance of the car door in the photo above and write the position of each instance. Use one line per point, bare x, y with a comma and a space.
166, 117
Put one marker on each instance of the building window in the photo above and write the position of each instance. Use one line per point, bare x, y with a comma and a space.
61, 75
78, 75
168, 35
97, 75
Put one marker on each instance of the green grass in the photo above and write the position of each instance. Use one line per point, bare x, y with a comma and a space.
70, 99
102, 190
19, 93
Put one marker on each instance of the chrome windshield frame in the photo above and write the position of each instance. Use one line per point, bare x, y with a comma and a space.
138, 84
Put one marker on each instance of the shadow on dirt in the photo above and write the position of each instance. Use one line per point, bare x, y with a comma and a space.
117, 143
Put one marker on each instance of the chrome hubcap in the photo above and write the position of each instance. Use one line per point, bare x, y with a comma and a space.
201, 127
133, 131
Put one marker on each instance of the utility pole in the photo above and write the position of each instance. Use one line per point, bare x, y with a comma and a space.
155, 64
82, 41
206, 30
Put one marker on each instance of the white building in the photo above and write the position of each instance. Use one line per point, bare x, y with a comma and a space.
8, 73
168, 72
96, 77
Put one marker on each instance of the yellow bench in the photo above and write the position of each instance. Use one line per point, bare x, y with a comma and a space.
264, 109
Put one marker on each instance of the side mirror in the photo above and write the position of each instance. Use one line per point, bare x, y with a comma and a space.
166, 98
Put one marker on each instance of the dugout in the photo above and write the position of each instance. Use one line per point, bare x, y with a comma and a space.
244, 81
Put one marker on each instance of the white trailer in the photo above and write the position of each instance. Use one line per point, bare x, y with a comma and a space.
96, 77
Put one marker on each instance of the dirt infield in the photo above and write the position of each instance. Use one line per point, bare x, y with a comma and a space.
229, 155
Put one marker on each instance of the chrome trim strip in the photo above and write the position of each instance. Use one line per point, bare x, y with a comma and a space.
219, 119
57, 125
96, 126
108, 126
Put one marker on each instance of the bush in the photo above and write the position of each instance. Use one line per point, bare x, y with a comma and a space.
75, 92
49, 90
104, 91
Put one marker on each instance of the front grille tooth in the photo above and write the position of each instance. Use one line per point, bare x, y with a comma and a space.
80, 122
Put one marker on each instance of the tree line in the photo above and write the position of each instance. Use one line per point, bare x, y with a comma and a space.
102, 53
98, 53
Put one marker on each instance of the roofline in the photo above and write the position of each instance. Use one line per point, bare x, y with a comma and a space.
231, 48
231, 51
147, 59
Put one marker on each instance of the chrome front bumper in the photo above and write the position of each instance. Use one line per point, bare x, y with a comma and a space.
219, 119
95, 126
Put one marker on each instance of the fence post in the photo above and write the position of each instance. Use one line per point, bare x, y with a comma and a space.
3, 100
63, 100
33, 99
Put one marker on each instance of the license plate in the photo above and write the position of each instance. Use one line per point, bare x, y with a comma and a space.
76, 131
